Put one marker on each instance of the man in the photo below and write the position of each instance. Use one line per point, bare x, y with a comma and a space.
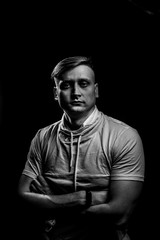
86, 170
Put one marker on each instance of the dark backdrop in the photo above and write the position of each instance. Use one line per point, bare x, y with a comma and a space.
124, 43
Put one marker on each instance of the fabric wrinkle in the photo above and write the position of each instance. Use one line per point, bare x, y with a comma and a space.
76, 158
71, 151
74, 153
76, 163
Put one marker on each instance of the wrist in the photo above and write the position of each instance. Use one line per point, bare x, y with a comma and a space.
88, 198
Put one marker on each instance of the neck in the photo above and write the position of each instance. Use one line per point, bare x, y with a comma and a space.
75, 122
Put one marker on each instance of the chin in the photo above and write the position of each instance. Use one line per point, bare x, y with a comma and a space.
77, 109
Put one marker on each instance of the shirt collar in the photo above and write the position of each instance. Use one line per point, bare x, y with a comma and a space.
92, 117
90, 120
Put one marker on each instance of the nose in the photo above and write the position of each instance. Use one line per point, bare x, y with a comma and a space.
76, 91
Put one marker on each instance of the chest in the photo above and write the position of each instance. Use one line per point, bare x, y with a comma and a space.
81, 158
87, 153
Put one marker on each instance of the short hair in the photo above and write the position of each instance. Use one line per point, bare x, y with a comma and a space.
69, 63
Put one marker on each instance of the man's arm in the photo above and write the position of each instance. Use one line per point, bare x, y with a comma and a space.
43, 197
123, 197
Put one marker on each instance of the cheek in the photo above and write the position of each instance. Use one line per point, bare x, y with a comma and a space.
90, 95
63, 96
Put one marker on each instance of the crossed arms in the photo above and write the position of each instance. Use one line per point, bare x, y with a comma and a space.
123, 196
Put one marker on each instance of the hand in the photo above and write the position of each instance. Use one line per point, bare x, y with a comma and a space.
39, 185
81, 197
99, 197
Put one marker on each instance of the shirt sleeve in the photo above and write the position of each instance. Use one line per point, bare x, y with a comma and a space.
128, 157
33, 165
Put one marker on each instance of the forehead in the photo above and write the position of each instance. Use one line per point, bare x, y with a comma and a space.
79, 72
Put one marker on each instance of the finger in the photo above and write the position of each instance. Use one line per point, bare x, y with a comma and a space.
42, 181
44, 184
36, 186
36, 183
33, 188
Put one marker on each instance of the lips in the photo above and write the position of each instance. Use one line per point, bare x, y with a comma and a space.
77, 102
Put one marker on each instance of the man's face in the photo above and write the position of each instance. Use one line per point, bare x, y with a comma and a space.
77, 91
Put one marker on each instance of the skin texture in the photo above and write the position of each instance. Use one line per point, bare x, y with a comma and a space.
76, 94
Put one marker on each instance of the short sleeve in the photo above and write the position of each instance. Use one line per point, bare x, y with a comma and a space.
128, 156
33, 165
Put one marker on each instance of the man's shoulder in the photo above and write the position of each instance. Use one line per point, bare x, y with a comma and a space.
120, 132
117, 125
114, 121
50, 126
48, 130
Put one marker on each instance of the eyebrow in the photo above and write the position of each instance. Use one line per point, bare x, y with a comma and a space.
84, 79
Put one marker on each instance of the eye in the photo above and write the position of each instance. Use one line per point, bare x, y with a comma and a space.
64, 85
83, 83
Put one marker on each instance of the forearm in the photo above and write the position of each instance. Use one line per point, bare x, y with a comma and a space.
120, 204
116, 213
101, 209
55, 201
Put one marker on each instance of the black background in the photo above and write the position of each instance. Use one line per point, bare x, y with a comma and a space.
124, 43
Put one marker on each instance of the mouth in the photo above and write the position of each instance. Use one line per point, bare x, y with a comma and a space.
76, 103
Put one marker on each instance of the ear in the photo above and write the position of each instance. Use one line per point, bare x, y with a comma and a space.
55, 93
96, 90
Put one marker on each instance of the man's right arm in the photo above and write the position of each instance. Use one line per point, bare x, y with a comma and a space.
46, 200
